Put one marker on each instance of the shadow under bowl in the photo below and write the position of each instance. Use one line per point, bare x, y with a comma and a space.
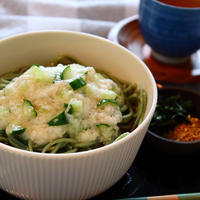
170, 146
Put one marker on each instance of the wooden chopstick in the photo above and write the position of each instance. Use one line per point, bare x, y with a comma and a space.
188, 196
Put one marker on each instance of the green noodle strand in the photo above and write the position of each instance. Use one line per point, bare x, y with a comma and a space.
127, 89
30, 145
127, 117
133, 97
141, 109
121, 136
2, 80
144, 97
72, 150
124, 108
136, 103
58, 147
16, 143
2, 85
3, 139
66, 140
86, 144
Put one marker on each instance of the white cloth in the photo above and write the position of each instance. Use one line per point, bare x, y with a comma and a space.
89, 16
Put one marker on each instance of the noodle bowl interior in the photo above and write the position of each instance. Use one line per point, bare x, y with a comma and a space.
67, 108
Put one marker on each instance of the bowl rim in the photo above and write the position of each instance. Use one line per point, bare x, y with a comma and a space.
181, 89
4, 147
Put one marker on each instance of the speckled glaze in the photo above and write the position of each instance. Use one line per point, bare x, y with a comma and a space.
81, 175
170, 31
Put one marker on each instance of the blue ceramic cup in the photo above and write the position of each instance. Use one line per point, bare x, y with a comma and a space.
172, 32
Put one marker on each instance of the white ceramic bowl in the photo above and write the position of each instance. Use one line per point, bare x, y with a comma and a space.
81, 175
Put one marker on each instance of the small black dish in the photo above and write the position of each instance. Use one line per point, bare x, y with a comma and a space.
170, 146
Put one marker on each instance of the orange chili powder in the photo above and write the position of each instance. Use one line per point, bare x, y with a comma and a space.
186, 131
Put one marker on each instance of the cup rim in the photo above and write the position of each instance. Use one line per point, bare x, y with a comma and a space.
175, 7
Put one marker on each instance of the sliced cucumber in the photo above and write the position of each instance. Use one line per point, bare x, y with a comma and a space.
37, 65
27, 102
77, 83
121, 136
102, 125
23, 86
107, 131
107, 101
41, 75
70, 110
14, 129
4, 112
66, 105
91, 89
108, 94
66, 94
60, 119
76, 106
98, 76
73, 71
29, 110
66, 74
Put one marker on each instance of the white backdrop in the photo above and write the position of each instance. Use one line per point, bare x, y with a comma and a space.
90, 16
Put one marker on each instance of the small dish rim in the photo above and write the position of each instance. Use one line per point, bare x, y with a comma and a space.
182, 89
